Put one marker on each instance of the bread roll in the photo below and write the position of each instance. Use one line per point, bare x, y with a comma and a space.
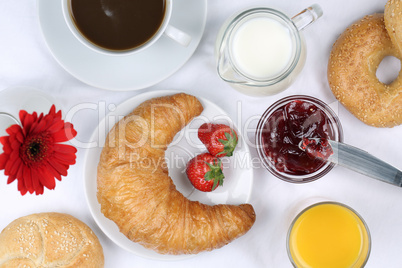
49, 240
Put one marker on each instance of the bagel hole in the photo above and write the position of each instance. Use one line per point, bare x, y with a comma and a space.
388, 70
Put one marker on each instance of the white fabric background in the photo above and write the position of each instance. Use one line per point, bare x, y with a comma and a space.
26, 61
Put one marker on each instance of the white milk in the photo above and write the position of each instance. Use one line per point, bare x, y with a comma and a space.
261, 47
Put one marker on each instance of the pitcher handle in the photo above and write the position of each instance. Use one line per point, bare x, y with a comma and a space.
307, 16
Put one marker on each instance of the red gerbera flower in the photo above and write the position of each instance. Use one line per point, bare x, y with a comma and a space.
33, 154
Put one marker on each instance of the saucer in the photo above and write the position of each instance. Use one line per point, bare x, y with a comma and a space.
238, 171
120, 73
17, 98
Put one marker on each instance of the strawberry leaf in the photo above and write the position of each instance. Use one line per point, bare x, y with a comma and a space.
229, 144
215, 173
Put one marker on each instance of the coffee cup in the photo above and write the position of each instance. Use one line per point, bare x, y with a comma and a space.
121, 27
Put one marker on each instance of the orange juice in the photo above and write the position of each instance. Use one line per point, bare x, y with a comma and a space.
328, 235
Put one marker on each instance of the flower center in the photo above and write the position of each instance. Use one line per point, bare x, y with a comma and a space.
36, 148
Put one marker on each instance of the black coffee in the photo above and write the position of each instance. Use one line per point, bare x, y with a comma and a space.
118, 24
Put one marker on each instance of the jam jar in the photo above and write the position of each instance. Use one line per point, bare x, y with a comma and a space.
283, 127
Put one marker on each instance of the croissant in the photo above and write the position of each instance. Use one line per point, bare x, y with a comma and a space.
136, 192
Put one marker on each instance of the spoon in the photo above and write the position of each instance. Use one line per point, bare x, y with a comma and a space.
353, 158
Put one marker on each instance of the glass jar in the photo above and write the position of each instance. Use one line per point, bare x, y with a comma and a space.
294, 165
328, 234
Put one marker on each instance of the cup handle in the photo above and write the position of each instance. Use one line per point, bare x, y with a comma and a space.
177, 35
307, 16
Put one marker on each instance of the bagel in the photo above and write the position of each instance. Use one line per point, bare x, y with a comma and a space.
49, 240
142, 199
393, 20
352, 67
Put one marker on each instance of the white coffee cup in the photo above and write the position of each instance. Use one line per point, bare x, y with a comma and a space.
166, 29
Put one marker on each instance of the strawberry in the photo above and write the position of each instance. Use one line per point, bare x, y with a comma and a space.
219, 139
205, 172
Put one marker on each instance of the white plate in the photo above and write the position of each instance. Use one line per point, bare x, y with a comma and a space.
238, 171
131, 72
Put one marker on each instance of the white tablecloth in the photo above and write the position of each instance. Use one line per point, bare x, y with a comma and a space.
26, 61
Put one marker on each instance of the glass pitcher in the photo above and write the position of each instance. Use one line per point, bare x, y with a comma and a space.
260, 77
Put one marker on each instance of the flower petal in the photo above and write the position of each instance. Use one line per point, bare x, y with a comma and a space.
65, 159
39, 127
28, 179
4, 139
49, 121
52, 110
8, 167
12, 139
46, 178
14, 169
70, 129
53, 171
59, 167
39, 191
11, 178
21, 187
22, 114
64, 149
20, 137
3, 160
65, 134
13, 156
27, 122
13, 129
38, 187
56, 126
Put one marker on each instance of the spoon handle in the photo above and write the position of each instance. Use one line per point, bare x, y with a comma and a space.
364, 163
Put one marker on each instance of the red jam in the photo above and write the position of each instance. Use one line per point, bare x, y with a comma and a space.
286, 127
317, 148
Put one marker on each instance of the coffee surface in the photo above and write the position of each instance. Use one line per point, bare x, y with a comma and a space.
118, 24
